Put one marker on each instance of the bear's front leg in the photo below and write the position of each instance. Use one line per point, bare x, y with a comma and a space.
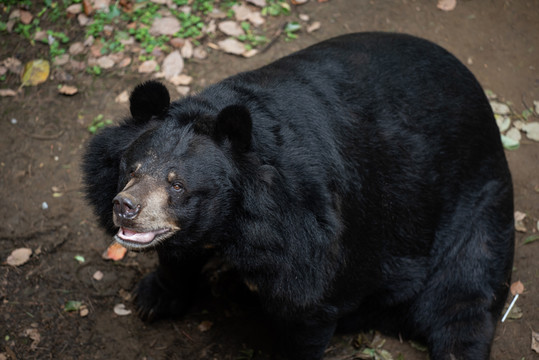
303, 339
169, 290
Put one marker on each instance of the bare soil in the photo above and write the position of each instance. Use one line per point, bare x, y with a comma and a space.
498, 40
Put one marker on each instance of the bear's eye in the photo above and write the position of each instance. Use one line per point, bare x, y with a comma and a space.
177, 187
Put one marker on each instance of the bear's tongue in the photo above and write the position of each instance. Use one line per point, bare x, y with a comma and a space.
138, 237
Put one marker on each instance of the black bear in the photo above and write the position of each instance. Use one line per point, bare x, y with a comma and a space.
359, 183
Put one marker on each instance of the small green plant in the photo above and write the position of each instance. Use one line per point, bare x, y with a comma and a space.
276, 8
249, 39
94, 70
290, 30
145, 13
27, 30
203, 6
98, 123
191, 25
55, 39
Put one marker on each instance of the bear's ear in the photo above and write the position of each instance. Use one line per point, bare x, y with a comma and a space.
234, 123
147, 100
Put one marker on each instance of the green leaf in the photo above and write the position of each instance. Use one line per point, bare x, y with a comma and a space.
80, 258
531, 239
418, 346
292, 26
509, 143
72, 305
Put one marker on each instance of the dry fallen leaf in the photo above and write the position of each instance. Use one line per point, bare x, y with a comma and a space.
232, 46
35, 72
172, 65
231, 28
123, 97
250, 53
34, 335
500, 108
205, 326
515, 313
120, 310
447, 5
187, 50
19, 256
535, 341
532, 130
68, 90
114, 252
83, 311
168, 25
7, 92
519, 221
26, 17
517, 288
183, 90
181, 79
314, 26
74, 9
148, 66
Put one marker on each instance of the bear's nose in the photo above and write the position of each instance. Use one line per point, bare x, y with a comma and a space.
124, 207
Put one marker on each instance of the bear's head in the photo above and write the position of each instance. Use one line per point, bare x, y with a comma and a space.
177, 176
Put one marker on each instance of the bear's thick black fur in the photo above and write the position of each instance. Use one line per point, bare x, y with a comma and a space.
359, 183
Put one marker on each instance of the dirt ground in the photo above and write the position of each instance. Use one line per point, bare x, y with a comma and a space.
497, 39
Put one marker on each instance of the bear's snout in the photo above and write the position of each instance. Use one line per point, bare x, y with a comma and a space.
125, 208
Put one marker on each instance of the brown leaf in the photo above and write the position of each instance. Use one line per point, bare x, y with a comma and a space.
147, 67
26, 17
19, 256
7, 92
313, 27
74, 9
68, 90
87, 5
165, 26
34, 335
232, 46
517, 288
535, 341
123, 97
447, 5
205, 326
231, 28
172, 65
115, 252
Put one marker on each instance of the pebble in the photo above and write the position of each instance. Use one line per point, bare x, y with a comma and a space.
44, 205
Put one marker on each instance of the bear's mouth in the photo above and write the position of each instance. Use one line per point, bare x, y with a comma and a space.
136, 239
